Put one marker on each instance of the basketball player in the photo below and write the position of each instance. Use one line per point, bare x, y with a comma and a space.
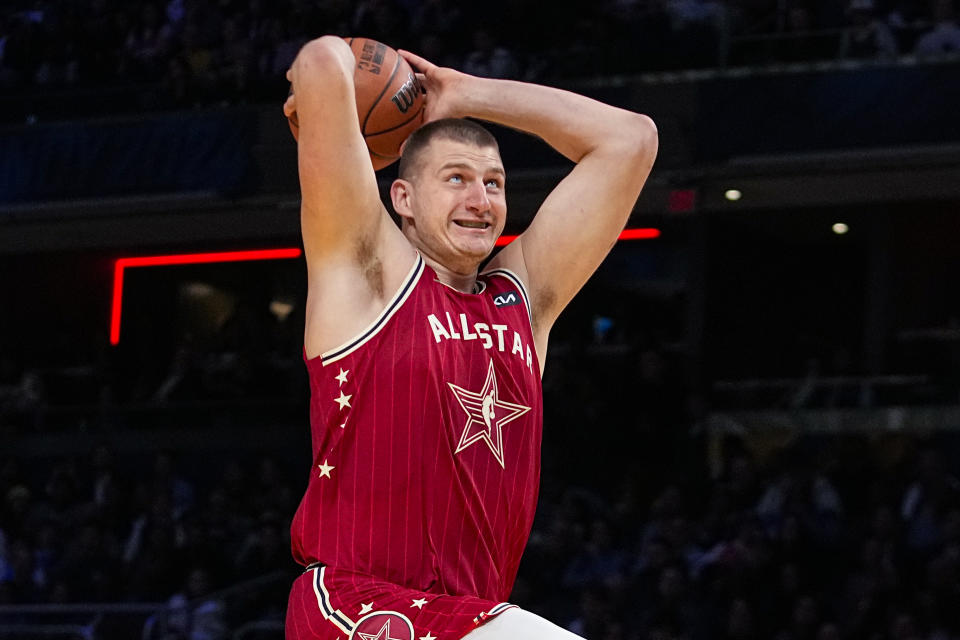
425, 374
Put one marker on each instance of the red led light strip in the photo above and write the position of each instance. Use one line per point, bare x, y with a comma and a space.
185, 258
626, 234
263, 254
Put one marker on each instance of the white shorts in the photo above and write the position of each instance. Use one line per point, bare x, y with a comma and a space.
517, 624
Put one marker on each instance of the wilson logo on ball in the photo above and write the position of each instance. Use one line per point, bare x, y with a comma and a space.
407, 94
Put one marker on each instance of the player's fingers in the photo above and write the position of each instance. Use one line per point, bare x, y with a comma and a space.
422, 79
420, 64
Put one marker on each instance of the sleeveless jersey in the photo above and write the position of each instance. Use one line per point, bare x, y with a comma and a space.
426, 436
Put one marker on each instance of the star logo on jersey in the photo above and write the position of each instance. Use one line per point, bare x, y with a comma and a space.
325, 469
383, 625
382, 634
343, 400
487, 414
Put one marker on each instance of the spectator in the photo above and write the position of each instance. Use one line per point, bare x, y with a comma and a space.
285, 40
147, 43
444, 18
175, 12
741, 621
489, 59
829, 631
193, 615
674, 604
908, 18
265, 548
236, 62
803, 44
600, 563
927, 499
18, 511
594, 615
91, 564
866, 37
6, 571
696, 28
200, 58
383, 20
944, 37
150, 554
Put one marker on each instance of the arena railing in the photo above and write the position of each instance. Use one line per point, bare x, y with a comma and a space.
260, 629
233, 603
816, 391
81, 620
101, 621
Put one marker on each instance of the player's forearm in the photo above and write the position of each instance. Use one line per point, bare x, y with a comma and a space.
572, 124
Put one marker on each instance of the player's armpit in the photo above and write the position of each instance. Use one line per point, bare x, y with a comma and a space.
341, 202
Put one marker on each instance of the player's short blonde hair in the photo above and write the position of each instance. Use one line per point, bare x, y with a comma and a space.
457, 129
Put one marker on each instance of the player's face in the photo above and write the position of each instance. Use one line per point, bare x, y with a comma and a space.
458, 203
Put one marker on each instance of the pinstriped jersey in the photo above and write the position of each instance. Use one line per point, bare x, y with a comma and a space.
426, 441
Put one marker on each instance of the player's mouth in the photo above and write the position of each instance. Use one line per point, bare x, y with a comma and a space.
472, 224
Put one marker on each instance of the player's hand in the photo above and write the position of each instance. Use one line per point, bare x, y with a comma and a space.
442, 85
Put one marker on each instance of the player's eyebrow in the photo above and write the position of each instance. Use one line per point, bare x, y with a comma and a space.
463, 166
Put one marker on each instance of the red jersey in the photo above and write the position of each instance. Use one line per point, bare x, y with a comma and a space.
426, 441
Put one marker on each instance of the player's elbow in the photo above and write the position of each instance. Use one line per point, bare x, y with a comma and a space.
639, 139
324, 59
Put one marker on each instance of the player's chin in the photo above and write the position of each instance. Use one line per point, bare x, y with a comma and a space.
477, 248
475, 240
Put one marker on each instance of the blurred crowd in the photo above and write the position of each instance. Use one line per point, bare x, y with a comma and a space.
842, 538
234, 51
99, 529
819, 538
649, 527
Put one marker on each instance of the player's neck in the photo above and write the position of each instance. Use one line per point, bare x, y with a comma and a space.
467, 283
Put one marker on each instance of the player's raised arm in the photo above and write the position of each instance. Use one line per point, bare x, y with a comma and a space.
341, 202
580, 220
356, 256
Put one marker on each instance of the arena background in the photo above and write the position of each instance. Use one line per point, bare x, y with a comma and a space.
751, 418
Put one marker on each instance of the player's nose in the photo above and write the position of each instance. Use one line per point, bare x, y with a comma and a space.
477, 200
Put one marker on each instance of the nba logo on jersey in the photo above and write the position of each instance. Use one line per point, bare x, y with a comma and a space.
507, 299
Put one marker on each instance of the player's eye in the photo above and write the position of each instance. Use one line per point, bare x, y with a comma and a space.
455, 178
493, 183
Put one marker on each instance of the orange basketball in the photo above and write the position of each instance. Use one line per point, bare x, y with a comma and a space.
389, 99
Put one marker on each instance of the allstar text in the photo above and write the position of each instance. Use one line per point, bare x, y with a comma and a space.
490, 336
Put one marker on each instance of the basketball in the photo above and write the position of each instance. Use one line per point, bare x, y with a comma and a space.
389, 99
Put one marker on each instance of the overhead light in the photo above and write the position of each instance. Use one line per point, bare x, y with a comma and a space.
281, 309
732, 194
199, 289
840, 228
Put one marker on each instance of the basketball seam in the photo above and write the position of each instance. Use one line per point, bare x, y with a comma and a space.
395, 127
382, 92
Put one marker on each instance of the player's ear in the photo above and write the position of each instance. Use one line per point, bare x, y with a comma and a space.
401, 196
